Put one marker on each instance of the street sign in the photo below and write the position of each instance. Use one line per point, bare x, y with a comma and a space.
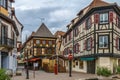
70, 57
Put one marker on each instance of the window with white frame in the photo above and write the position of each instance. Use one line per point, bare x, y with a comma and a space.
50, 42
43, 42
37, 41
103, 18
3, 3
103, 41
88, 44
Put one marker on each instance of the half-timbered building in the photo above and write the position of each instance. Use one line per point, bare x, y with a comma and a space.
40, 46
94, 37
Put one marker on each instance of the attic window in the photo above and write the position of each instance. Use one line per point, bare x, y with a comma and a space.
103, 18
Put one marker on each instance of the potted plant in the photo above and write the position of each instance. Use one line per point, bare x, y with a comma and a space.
103, 72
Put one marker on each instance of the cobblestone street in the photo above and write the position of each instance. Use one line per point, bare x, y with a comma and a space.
41, 75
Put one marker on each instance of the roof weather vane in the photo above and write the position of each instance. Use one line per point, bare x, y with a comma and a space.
42, 19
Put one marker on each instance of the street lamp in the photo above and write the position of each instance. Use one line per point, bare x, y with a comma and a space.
70, 57
27, 70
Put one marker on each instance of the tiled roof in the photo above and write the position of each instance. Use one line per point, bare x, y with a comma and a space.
59, 33
43, 31
95, 3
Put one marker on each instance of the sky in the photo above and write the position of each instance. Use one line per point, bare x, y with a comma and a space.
56, 14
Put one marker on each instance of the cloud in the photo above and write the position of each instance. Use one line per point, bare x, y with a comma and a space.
60, 15
57, 14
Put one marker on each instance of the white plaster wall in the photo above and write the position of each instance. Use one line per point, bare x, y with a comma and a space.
106, 62
77, 69
9, 28
19, 26
13, 63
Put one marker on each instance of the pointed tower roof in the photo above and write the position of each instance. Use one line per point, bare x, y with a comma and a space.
43, 31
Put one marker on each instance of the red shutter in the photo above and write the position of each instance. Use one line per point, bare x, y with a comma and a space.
47, 42
117, 42
90, 21
53, 41
66, 39
74, 49
64, 52
85, 45
91, 43
110, 16
85, 26
70, 36
96, 18
68, 52
117, 20
41, 42
78, 47
77, 31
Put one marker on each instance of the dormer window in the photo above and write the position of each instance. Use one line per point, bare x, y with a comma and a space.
103, 18
3, 3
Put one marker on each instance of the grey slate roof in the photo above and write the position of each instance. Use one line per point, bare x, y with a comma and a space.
43, 31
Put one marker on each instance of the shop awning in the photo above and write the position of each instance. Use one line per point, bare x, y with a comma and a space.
87, 59
34, 59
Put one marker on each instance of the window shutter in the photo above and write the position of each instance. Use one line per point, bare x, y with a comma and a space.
47, 42
90, 21
117, 20
117, 42
85, 45
64, 52
68, 50
66, 39
91, 43
70, 36
78, 47
53, 42
96, 18
41, 41
110, 16
85, 26
74, 49
77, 32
